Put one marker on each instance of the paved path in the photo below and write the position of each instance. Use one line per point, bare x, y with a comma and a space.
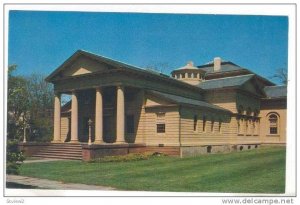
49, 184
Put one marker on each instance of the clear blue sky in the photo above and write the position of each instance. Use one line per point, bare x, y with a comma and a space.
41, 41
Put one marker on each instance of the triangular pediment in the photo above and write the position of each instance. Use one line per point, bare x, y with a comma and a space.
81, 63
84, 65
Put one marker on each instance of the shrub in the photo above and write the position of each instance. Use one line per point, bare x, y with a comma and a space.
129, 157
14, 157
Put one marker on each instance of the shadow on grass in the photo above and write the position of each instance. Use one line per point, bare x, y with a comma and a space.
12, 185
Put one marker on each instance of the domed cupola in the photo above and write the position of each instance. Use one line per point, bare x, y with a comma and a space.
189, 74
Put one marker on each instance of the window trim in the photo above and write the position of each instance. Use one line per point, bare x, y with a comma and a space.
277, 124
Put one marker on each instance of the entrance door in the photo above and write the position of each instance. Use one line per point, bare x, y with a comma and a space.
108, 129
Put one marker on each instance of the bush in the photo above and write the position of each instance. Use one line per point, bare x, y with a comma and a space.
129, 157
14, 157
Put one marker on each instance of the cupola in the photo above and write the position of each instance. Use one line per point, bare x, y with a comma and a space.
189, 74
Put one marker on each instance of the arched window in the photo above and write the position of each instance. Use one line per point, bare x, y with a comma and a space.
273, 124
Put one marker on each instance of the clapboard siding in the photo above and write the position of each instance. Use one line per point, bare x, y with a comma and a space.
189, 136
171, 135
225, 99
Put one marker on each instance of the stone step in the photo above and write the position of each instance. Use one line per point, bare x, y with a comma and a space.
65, 145
58, 157
61, 148
61, 151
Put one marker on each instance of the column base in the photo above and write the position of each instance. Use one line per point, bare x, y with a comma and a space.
120, 142
99, 142
56, 141
74, 141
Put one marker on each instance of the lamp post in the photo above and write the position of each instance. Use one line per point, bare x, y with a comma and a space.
24, 132
90, 122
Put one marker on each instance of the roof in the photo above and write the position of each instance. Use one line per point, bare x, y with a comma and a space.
230, 69
225, 82
102, 59
279, 91
119, 65
226, 66
187, 101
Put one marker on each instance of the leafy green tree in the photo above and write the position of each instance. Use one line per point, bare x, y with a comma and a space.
17, 104
41, 108
30, 105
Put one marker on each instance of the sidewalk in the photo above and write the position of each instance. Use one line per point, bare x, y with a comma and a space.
49, 184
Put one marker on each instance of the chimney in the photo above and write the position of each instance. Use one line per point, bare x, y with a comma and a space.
217, 64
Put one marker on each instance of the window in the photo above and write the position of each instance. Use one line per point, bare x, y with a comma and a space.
220, 126
239, 126
182, 75
161, 128
204, 124
195, 122
130, 123
273, 122
189, 75
246, 127
212, 125
160, 123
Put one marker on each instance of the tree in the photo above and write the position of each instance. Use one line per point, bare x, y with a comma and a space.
30, 102
41, 108
282, 75
158, 67
17, 104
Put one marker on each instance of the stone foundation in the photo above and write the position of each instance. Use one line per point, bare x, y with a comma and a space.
211, 149
90, 152
94, 151
31, 148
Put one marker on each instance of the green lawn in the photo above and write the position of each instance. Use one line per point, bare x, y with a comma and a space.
254, 171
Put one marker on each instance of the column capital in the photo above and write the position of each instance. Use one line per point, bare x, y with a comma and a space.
120, 87
74, 92
99, 89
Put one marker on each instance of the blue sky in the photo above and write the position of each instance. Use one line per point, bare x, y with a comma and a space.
41, 41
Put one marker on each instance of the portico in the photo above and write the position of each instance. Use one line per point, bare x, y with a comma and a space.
115, 108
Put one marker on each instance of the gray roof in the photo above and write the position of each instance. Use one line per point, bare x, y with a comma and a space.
225, 82
278, 91
226, 66
187, 101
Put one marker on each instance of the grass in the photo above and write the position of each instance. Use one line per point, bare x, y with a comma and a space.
255, 171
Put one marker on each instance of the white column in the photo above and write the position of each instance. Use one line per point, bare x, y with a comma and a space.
99, 117
56, 133
74, 118
120, 115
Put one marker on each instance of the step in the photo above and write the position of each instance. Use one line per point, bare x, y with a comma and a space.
59, 149
63, 153
59, 157
59, 153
